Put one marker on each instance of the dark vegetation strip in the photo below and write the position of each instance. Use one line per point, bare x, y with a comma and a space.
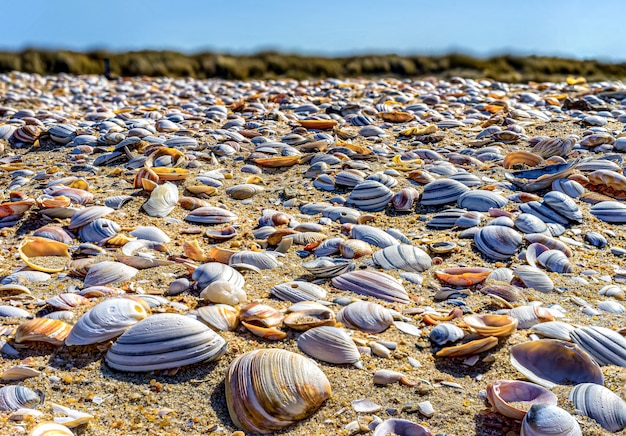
268, 65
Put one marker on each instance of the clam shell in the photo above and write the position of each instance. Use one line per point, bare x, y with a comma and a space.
150, 233
481, 201
529, 223
269, 390
404, 199
18, 397
211, 272
51, 429
497, 242
260, 259
66, 301
88, 215
404, 257
98, 230
104, 273
164, 341
163, 199
329, 344
105, 321
528, 316
52, 331
553, 330
568, 187
469, 348
546, 419
298, 291
327, 267
117, 201
549, 242
555, 261
341, 214
307, 315
605, 346
442, 191
243, 191
492, 325
220, 317
610, 211
444, 333
373, 236
62, 133
365, 316
503, 394
373, 284
446, 219
538, 179
601, 405
563, 205
370, 196
550, 362
534, 278
400, 427
33, 248
210, 215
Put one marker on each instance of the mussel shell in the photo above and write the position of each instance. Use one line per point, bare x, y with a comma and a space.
163, 341
268, 390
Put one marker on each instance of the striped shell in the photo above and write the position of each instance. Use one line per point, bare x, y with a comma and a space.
610, 211
365, 316
329, 344
88, 215
298, 291
497, 242
18, 397
605, 346
370, 196
47, 330
404, 257
373, 284
210, 215
600, 404
104, 273
164, 341
442, 191
481, 201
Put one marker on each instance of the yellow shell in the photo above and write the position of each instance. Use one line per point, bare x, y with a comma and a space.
318, 124
43, 247
171, 174
524, 157
492, 325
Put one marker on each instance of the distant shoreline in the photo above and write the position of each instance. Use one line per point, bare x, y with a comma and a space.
268, 65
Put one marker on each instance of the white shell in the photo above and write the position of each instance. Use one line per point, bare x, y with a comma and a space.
604, 345
298, 291
329, 344
600, 404
365, 316
373, 284
107, 272
544, 419
162, 200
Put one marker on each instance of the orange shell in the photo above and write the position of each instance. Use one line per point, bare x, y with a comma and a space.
396, 117
524, 157
463, 276
318, 124
15, 207
278, 162
42, 247
473, 347
48, 330
171, 174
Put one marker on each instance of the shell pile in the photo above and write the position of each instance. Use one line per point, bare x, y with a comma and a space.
203, 257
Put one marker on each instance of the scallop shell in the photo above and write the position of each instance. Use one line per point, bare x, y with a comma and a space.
365, 316
505, 397
269, 390
105, 321
546, 419
404, 257
600, 404
373, 284
605, 346
497, 242
370, 196
18, 397
298, 291
442, 191
329, 344
104, 273
550, 362
164, 341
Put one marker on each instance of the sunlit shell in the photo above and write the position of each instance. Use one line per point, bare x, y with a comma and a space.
404, 257
605, 346
600, 404
210, 215
534, 278
88, 215
51, 429
164, 341
104, 273
373, 284
17, 397
44, 254
481, 201
365, 316
443, 333
243, 191
550, 362
260, 259
473, 347
162, 201
404, 200
372, 235
513, 398
492, 325
269, 390
220, 317
442, 191
329, 344
327, 267
99, 230
298, 291
370, 196
66, 301
521, 157
497, 242
546, 419
55, 233
463, 276
610, 211
105, 321
47, 330
307, 315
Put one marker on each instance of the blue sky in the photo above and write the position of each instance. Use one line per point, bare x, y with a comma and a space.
575, 28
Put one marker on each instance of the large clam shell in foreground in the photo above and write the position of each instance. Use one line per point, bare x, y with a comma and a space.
268, 390
165, 341
373, 284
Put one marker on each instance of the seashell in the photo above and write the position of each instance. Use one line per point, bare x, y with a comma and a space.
328, 247
243, 191
596, 239
52, 331
611, 307
469, 219
400, 427
164, 341
568, 187
492, 325
327, 267
269, 390
529, 223
446, 219
506, 291
420, 176
15, 208
538, 179
329, 344
312, 315
610, 211
528, 316
497, 242
555, 261
466, 179
354, 248
444, 333
260, 259
73, 418
11, 289
162, 200
550, 362
365, 316
27, 134
605, 346
549, 147
13, 312
19, 372
210, 215
563, 205
105, 321
373, 284
442, 191
47, 201
104, 273
481, 201
600, 404
373, 236
18, 397
386, 376
55, 233
404, 257
211, 272
469, 348
553, 330
298, 291
534, 278
42, 254
521, 157
324, 182
341, 214
88, 215
51, 429
150, 233
99, 230
62, 133
607, 182
513, 398
543, 212
463, 276
349, 178
220, 317
370, 196
549, 242
398, 235
383, 178
546, 419
404, 199
66, 301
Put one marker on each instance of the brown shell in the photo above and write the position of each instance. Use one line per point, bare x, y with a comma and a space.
521, 157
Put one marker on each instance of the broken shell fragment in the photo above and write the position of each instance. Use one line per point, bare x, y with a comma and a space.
43, 254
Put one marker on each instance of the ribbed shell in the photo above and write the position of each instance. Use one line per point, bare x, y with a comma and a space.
259, 259
600, 404
373, 236
107, 272
98, 230
163, 199
365, 316
18, 397
105, 321
497, 242
370, 196
164, 341
605, 346
563, 205
373, 284
481, 201
442, 191
329, 344
298, 291
404, 257
268, 390
610, 212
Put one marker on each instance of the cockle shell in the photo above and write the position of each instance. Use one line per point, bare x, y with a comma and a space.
164, 341
404, 257
373, 284
550, 362
600, 404
269, 390
105, 321
47, 330
329, 344
18, 397
365, 316
509, 397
